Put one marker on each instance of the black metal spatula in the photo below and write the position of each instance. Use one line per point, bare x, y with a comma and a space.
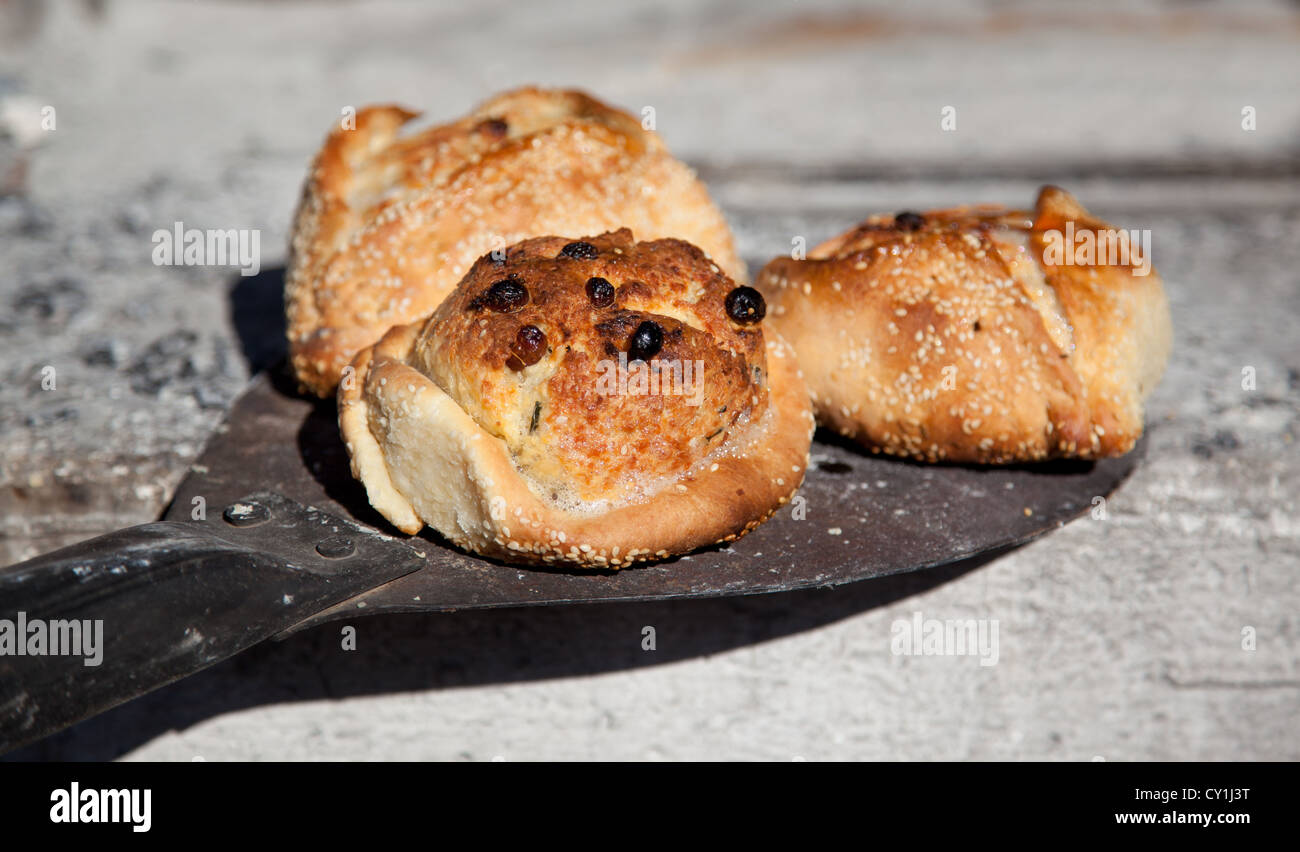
270, 534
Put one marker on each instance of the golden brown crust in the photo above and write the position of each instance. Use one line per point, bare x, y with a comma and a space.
544, 411
957, 337
388, 224
441, 431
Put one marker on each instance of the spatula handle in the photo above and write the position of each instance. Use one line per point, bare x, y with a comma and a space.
90, 626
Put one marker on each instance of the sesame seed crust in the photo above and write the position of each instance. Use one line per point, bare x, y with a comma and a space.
389, 223
440, 431
953, 339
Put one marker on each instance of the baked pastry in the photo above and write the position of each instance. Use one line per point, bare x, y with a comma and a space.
975, 335
389, 223
594, 401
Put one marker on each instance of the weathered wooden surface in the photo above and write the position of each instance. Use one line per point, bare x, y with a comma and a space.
1120, 638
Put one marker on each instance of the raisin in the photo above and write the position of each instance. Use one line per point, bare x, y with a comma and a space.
745, 305
494, 127
505, 296
646, 341
528, 348
579, 250
909, 221
600, 292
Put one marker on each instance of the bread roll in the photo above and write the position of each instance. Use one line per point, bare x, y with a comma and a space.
502, 421
389, 223
969, 335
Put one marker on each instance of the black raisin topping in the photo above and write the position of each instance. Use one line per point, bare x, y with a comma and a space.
528, 348
494, 127
579, 250
646, 341
600, 292
909, 221
745, 305
505, 296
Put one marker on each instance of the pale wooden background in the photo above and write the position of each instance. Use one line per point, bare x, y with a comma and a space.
1120, 638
